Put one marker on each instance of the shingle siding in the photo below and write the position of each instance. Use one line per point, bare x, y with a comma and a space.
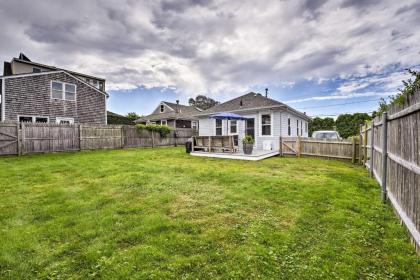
31, 96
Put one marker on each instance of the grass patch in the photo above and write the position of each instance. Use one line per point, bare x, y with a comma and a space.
159, 213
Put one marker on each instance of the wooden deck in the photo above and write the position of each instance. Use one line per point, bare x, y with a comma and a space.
256, 155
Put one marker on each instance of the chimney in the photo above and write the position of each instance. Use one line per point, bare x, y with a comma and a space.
266, 92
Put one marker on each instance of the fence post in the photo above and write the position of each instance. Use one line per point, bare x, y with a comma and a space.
365, 144
384, 155
80, 137
122, 136
19, 140
372, 142
353, 149
360, 143
298, 144
281, 146
23, 138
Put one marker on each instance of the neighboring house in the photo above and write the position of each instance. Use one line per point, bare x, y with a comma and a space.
33, 92
268, 119
174, 115
114, 118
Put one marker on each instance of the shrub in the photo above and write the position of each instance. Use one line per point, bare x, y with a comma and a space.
248, 140
163, 130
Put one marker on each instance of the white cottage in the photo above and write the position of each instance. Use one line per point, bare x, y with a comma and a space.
268, 119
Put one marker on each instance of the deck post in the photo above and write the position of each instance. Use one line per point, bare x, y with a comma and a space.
372, 142
384, 155
209, 144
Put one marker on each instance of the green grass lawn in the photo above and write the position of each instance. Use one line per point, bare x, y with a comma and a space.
159, 213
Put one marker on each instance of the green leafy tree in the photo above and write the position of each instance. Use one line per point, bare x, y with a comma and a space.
133, 116
321, 124
348, 125
203, 102
410, 87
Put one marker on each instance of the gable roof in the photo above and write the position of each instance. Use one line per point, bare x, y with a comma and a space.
250, 101
22, 60
53, 72
178, 112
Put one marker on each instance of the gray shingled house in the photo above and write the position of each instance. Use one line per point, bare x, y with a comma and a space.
267, 120
34, 92
174, 115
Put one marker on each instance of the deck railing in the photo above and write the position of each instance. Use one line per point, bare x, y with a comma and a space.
214, 143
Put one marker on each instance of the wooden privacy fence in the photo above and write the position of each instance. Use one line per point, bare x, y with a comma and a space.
325, 148
391, 152
29, 138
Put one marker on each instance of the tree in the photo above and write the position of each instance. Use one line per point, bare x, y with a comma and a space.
349, 124
202, 102
321, 124
410, 87
133, 116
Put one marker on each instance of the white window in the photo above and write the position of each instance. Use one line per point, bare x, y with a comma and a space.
57, 90
194, 125
164, 122
218, 127
63, 91
266, 124
301, 129
25, 119
297, 127
70, 92
289, 127
61, 120
33, 119
233, 126
41, 119
162, 108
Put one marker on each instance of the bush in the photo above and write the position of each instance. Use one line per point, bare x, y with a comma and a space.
163, 130
248, 140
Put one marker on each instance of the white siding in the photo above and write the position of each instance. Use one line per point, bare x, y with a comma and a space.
206, 127
278, 127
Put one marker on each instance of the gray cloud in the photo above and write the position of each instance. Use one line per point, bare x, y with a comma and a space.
213, 46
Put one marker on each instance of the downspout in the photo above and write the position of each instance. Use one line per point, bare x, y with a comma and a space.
3, 99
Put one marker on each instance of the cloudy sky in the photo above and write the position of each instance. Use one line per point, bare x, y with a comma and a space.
322, 57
